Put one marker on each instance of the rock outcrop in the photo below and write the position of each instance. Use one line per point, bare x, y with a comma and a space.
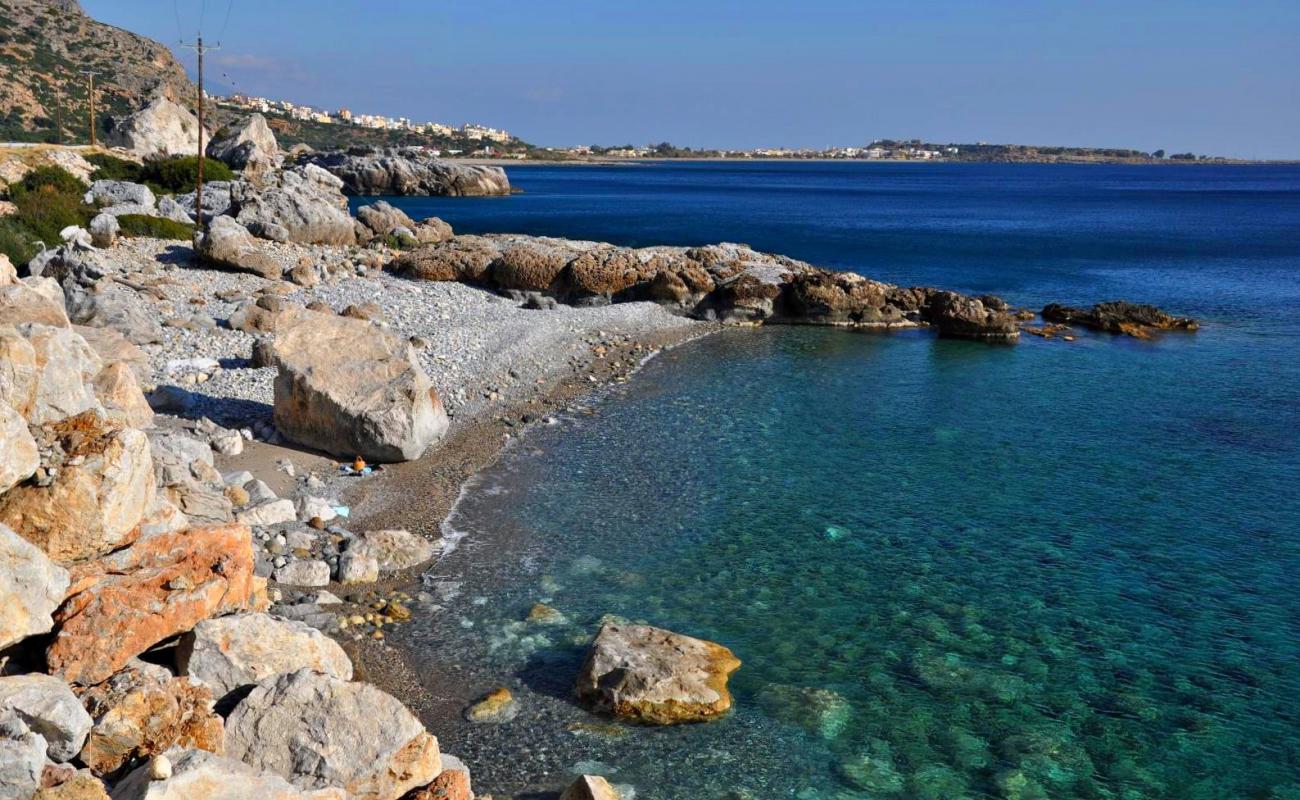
46, 372
116, 198
655, 676
318, 731
249, 146
229, 653
33, 300
303, 204
348, 388
31, 588
965, 317
144, 711
228, 245
409, 171
162, 128
195, 774
123, 604
1133, 319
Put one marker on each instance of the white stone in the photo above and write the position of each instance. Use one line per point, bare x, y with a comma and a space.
231, 652
31, 588
272, 512
303, 573
49, 708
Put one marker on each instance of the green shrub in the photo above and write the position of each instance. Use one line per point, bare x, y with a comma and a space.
16, 241
48, 179
112, 168
155, 227
44, 212
179, 174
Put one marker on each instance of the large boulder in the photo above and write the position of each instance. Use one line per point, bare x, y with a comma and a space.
229, 245
31, 588
410, 171
201, 775
121, 197
104, 230
465, 259
229, 653
655, 676
304, 205
318, 731
249, 146
22, 758
590, 787
382, 218
111, 347
348, 388
163, 585
46, 373
79, 785
143, 711
49, 708
217, 200
963, 317
102, 485
118, 390
36, 300
19, 457
392, 550
162, 128
8, 273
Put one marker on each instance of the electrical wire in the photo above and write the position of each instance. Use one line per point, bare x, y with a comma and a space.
229, 5
180, 35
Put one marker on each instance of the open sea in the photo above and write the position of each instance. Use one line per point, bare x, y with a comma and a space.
952, 570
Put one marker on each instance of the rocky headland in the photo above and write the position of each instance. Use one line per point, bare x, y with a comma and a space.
195, 565
408, 171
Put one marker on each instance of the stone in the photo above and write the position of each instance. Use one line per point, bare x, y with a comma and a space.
217, 200
227, 442
46, 372
31, 588
119, 392
144, 711
303, 204
816, 710
318, 731
111, 346
19, 457
358, 567
230, 653
1119, 316
124, 603
35, 300
496, 706
273, 512
590, 787
162, 128
249, 146
97, 497
965, 317
49, 708
104, 230
381, 218
201, 775
310, 507
81, 785
394, 550
229, 245
409, 171
432, 230
120, 193
655, 676
350, 389
451, 784
8, 274
170, 208
465, 259
22, 758
303, 573
109, 305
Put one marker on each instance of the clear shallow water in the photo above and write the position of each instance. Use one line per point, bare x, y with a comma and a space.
952, 570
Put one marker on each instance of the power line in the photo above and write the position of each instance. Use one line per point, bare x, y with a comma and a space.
229, 5
180, 34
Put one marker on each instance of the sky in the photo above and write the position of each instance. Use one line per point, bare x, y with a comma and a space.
1220, 78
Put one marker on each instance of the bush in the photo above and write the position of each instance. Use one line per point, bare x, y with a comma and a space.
44, 212
112, 168
16, 241
155, 227
48, 179
179, 174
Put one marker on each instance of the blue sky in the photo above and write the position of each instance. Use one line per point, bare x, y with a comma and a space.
1210, 77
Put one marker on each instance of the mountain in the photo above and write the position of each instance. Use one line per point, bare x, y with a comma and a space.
44, 47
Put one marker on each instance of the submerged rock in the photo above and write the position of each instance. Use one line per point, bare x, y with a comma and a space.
496, 706
1133, 319
656, 676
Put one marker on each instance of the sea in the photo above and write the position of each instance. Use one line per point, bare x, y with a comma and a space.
951, 569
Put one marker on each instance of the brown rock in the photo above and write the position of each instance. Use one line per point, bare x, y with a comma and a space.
464, 258
530, 265
144, 710
119, 393
124, 603
451, 784
81, 785
36, 300
99, 495
590, 787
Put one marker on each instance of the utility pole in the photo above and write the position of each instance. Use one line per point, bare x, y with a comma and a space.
58, 113
91, 94
200, 48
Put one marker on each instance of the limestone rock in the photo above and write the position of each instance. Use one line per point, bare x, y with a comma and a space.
46, 372
31, 588
410, 171
104, 194
249, 146
162, 128
590, 787
451, 784
119, 392
18, 455
200, 775
49, 708
349, 388
358, 567
273, 512
229, 653
381, 218
111, 346
229, 245
303, 573
465, 259
8, 274
1119, 316
104, 230
656, 676
143, 711
97, 497
969, 318
319, 731
303, 204
22, 758
81, 785
394, 550
37, 300
124, 603
218, 199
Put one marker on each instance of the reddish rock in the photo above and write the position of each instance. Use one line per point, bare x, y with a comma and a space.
451, 784
126, 602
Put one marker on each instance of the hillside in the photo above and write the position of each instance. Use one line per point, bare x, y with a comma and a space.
45, 45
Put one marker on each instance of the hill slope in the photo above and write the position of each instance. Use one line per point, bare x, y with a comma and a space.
44, 46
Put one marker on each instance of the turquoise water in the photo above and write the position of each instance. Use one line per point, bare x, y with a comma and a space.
952, 570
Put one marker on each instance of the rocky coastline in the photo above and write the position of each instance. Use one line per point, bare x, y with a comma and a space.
208, 451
